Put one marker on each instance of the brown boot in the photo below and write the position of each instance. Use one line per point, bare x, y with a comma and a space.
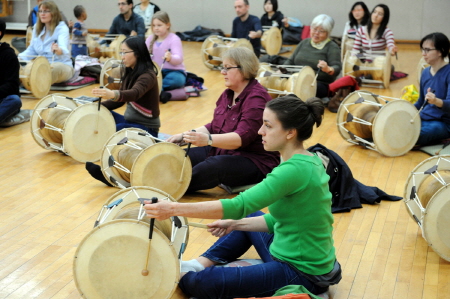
338, 97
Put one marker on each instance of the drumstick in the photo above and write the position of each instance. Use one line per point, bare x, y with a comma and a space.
162, 65
423, 105
315, 79
200, 225
53, 57
184, 161
150, 236
98, 114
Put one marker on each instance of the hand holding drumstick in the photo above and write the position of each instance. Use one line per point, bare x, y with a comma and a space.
104, 93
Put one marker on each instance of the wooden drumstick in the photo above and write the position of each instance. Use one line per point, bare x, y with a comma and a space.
150, 236
184, 161
162, 64
98, 114
315, 79
53, 57
423, 105
200, 225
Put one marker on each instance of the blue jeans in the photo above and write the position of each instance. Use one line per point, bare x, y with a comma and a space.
121, 123
433, 131
260, 280
173, 79
9, 106
210, 171
79, 50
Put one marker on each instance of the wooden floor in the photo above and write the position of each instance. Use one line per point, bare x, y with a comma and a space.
49, 203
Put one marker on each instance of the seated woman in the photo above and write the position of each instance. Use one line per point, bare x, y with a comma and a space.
358, 16
375, 36
272, 17
319, 52
294, 241
434, 90
139, 89
51, 40
146, 9
229, 150
167, 51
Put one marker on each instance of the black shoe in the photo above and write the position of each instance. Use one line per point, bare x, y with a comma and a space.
96, 172
165, 97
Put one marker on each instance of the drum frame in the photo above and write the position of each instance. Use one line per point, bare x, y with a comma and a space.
214, 39
427, 217
368, 98
384, 83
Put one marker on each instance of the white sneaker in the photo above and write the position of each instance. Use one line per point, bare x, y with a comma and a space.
21, 117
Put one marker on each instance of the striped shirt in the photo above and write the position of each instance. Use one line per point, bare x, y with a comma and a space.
364, 43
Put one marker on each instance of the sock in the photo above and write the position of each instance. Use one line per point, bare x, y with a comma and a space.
192, 265
165, 97
96, 172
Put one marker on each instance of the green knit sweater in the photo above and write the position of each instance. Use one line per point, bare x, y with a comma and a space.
299, 202
305, 54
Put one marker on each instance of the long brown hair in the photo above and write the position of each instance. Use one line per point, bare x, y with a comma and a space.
56, 16
163, 17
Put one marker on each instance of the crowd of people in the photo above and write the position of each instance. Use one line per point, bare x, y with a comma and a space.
247, 137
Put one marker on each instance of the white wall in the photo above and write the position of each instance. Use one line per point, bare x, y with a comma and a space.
410, 19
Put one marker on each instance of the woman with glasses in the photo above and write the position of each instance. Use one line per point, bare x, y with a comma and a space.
139, 91
434, 94
51, 40
375, 36
320, 53
294, 240
229, 150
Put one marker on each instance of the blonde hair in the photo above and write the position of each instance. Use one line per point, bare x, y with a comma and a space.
245, 58
56, 16
163, 17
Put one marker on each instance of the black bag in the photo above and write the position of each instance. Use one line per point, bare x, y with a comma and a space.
292, 35
92, 71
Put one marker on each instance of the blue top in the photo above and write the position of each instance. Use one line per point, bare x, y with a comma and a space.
241, 30
440, 83
41, 45
120, 26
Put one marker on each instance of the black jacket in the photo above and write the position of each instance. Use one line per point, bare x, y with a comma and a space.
348, 193
9, 71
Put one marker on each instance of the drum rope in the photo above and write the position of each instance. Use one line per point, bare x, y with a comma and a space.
108, 209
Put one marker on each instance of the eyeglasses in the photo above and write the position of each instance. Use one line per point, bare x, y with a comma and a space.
44, 11
122, 3
123, 53
318, 31
226, 69
426, 50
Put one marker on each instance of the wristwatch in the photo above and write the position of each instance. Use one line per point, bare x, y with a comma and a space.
210, 140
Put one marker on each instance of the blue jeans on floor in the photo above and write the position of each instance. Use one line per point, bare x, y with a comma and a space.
210, 171
79, 50
9, 106
121, 123
173, 79
433, 131
260, 280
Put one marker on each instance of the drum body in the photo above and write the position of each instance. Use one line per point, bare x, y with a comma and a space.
346, 45
375, 66
370, 120
272, 41
427, 200
28, 36
109, 261
36, 76
114, 48
214, 46
301, 83
140, 161
79, 130
93, 47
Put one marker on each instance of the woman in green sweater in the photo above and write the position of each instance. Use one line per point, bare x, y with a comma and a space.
319, 51
294, 240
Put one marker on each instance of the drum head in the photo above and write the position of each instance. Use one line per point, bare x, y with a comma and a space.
39, 77
110, 74
116, 45
86, 131
242, 42
92, 46
129, 209
160, 166
210, 50
158, 77
393, 133
132, 134
387, 70
303, 85
53, 99
272, 41
341, 117
109, 261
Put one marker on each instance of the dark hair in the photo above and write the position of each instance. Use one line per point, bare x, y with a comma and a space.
130, 2
293, 113
365, 19
274, 4
2, 28
78, 11
440, 41
144, 62
383, 24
